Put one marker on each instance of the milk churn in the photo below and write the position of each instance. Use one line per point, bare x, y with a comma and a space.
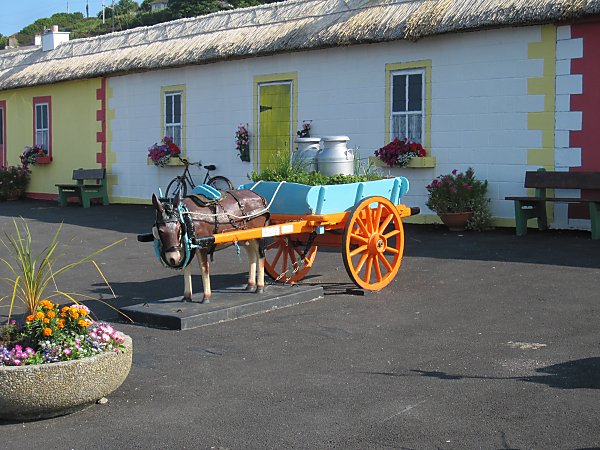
306, 153
335, 158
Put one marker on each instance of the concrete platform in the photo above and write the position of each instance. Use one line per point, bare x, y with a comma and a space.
226, 304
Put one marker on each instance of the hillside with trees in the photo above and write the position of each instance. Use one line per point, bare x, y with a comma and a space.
126, 14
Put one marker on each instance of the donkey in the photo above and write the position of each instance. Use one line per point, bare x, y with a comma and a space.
181, 222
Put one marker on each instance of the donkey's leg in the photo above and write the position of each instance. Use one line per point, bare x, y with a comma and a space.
205, 269
251, 253
260, 256
187, 284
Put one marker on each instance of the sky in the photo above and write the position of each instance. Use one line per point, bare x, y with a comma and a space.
17, 14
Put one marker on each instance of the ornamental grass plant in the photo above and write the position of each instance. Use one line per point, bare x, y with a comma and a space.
49, 333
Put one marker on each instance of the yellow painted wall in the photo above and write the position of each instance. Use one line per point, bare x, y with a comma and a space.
74, 128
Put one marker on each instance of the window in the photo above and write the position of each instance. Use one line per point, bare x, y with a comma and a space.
407, 115
42, 123
173, 116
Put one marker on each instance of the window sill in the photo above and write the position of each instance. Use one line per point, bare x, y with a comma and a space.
425, 162
172, 162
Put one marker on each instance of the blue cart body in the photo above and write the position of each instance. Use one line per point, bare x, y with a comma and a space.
301, 199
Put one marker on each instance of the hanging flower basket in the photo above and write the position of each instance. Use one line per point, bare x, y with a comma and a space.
242, 142
35, 155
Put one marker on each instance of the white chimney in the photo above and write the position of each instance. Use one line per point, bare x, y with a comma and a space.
37, 40
54, 38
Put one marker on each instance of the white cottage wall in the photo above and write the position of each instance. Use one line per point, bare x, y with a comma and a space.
479, 109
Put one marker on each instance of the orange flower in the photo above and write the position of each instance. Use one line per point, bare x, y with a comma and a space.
39, 315
51, 314
29, 318
83, 312
74, 313
61, 323
64, 309
47, 304
46, 320
47, 332
83, 323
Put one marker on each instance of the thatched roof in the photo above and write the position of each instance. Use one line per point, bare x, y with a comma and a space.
293, 25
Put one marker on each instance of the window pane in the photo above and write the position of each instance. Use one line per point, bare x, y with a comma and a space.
38, 117
398, 126
415, 125
169, 109
415, 90
399, 93
177, 108
177, 136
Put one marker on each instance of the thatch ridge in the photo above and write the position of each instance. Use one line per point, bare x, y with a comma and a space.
294, 25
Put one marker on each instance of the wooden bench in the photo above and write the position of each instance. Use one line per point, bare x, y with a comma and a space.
84, 190
535, 207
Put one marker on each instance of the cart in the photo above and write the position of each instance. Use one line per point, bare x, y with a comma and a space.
362, 219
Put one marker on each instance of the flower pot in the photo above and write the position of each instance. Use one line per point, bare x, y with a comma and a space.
456, 221
49, 390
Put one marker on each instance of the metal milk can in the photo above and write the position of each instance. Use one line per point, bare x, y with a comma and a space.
306, 153
335, 158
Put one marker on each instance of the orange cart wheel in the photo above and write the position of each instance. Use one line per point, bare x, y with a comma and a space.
373, 243
282, 258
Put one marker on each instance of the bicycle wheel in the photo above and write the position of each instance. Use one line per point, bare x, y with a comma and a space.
174, 187
220, 183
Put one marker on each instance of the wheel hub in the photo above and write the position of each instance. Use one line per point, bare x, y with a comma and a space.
377, 244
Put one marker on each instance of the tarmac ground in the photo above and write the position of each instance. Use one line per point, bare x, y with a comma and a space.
483, 340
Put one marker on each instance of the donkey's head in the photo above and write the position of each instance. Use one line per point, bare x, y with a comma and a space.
168, 230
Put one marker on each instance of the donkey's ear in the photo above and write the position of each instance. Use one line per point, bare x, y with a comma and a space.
157, 204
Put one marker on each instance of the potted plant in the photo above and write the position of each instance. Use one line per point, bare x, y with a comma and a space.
57, 359
458, 198
400, 152
13, 181
161, 154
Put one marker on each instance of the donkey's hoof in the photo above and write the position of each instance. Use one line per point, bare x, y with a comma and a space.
260, 290
205, 300
186, 299
250, 287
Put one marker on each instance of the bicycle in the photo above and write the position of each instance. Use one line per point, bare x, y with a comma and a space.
180, 184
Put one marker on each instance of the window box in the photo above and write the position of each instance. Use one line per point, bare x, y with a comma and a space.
172, 162
425, 162
43, 160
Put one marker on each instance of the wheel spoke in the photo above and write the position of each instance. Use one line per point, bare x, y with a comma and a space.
386, 263
277, 256
377, 269
359, 238
368, 269
362, 226
293, 259
272, 245
361, 262
377, 216
385, 223
285, 262
392, 250
391, 234
358, 250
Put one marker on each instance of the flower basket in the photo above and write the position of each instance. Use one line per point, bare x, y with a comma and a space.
161, 154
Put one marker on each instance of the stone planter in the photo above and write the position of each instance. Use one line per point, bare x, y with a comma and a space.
456, 221
50, 390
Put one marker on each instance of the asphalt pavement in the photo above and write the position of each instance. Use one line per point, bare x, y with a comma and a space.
483, 340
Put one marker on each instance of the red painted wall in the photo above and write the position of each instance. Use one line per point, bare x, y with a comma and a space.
588, 139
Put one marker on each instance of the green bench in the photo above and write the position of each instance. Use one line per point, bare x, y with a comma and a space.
91, 183
535, 207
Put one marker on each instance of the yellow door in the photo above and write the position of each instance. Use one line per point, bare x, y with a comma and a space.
274, 122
